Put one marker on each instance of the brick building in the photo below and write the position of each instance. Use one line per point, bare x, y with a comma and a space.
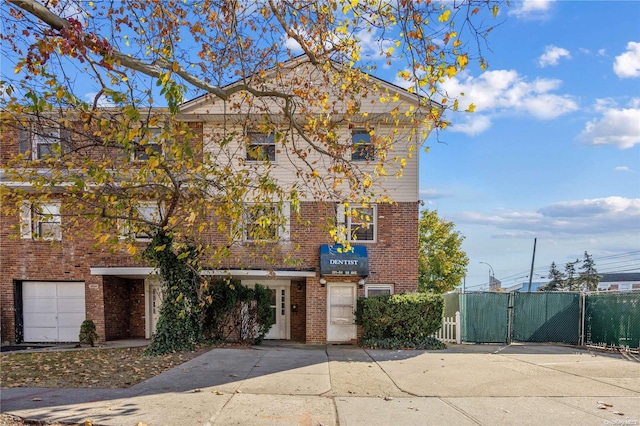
53, 276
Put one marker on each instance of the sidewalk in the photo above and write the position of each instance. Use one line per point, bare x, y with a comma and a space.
345, 385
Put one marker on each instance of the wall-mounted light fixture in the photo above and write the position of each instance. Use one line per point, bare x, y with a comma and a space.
299, 286
323, 282
361, 283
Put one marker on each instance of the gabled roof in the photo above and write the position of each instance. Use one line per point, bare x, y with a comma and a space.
294, 62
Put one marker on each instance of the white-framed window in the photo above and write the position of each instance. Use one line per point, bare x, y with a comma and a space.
263, 222
40, 221
152, 146
359, 223
141, 227
43, 141
261, 146
371, 290
361, 147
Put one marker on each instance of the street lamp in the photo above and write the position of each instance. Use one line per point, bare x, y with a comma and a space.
491, 274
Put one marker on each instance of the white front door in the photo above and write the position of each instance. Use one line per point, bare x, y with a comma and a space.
153, 298
52, 311
279, 306
341, 306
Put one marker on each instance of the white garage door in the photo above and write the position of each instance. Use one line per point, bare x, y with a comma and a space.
52, 311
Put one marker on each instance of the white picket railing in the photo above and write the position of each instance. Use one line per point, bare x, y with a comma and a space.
450, 331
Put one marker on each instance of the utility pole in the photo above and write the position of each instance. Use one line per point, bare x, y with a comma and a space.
533, 260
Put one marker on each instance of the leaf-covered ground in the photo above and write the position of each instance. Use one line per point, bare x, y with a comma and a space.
94, 368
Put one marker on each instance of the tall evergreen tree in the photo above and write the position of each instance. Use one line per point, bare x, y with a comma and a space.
588, 277
556, 277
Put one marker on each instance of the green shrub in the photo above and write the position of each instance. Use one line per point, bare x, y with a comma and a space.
234, 312
88, 333
400, 320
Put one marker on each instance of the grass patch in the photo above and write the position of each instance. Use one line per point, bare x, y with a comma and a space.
89, 368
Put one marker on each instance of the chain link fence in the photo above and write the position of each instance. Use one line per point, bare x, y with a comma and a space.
613, 320
609, 320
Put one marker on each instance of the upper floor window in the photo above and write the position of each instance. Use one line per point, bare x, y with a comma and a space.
359, 223
40, 221
152, 146
361, 147
263, 222
261, 146
143, 221
43, 141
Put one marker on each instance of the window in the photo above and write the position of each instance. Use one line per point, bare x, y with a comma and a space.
362, 150
139, 227
359, 223
261, 147
371, 290
263, 222
152, 146
40, 221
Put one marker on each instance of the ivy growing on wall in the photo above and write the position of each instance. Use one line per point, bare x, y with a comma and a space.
179, 327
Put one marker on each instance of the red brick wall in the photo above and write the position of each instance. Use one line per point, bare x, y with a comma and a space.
67, 260
393, 259
137, 313
116, 308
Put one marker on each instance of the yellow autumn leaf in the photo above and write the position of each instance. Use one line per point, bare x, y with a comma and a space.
451, 71
471, 108
495, 10
131, 249
444, 17
160, 248
463, 60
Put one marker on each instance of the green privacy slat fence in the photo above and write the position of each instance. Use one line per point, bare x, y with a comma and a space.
546, 317
613, 319
451, 304
485, 317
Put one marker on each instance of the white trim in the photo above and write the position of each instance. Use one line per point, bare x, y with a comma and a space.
142, 272
261, 273
368, 287
123, 271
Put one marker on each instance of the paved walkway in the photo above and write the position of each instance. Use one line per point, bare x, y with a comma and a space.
345, 385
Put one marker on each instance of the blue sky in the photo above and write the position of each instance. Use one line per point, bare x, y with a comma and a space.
553, 149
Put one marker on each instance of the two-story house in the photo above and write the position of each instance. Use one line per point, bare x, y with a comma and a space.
53, 275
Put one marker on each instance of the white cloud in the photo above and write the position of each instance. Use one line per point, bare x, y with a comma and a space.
506, 92
623, 169
432, 194
472, 124
615, 126
293, 45
103, 102
552, 54
590, 216
627, 65
531, 9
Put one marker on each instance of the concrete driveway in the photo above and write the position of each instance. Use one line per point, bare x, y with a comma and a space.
289, 384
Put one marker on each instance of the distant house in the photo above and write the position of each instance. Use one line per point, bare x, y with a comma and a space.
524, 286
621, 281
